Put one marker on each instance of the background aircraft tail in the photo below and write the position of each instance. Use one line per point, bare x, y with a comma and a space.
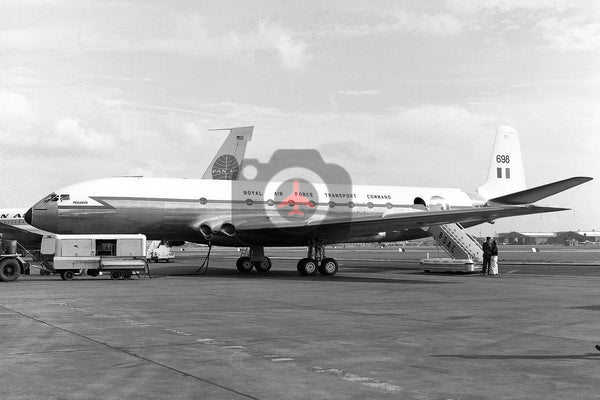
506, 174
227, 163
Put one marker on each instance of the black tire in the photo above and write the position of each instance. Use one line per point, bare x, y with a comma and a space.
263, 266
67, 275
93, 272
307, 267
328, 267
244, 264
116, 274
127, 274
9, 270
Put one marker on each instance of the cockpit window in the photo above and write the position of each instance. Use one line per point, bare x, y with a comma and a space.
50, 197
64, 197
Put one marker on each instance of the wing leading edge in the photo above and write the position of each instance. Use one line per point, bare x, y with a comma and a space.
367, 224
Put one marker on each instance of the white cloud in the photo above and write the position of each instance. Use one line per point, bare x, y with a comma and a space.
359, 92
398, 21
570, 33
68, 133
154, 31
292, 51
429, 24
16, 113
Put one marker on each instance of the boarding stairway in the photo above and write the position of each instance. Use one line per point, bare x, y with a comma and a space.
463, 249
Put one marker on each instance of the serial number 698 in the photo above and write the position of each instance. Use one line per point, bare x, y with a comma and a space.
502, 159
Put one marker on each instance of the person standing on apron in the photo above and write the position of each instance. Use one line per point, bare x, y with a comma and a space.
487, 256
494, 258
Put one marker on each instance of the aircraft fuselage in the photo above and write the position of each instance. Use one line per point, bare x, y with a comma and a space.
218, 211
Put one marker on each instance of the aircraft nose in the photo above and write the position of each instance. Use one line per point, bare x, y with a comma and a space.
43, 215
27, 216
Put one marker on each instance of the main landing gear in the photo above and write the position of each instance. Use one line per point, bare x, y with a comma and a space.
255, 259
315, 261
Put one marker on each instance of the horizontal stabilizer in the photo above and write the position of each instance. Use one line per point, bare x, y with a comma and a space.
532, 195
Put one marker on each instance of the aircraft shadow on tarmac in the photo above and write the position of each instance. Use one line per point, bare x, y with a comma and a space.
586, 356
293, 276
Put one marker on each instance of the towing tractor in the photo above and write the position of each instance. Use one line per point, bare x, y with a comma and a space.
118, 255
11, 263
11, 266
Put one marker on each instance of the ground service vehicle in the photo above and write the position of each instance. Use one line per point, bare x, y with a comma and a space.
161, 253
11, 266
120, 255
11, 263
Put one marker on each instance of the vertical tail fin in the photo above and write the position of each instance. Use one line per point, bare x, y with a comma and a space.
227, 163
506, 174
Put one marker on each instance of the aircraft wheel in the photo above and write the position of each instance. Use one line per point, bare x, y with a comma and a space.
264, 265
328, 267
244, 264
67, 275
9, 270
307, 267
116, 274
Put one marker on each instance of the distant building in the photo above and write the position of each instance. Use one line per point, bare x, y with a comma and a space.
592, 236
515, 238
569, 238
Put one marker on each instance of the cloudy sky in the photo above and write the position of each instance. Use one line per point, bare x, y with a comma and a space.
398, 93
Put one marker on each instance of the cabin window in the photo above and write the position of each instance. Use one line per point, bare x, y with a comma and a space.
271, 202
249, 202
351, 204
106, 247
388, 205
331, 204
203, 200
370, 205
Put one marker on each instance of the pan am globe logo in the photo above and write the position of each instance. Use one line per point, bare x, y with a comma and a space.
225, 167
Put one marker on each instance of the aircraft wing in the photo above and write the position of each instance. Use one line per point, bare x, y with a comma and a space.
327, 227
532, 195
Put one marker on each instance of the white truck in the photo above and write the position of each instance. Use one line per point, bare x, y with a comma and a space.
159, 252
120, 255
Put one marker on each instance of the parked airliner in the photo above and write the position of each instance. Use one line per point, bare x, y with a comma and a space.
248, 212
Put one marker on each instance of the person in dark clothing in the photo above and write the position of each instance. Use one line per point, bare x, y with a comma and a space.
493, 266
487, 256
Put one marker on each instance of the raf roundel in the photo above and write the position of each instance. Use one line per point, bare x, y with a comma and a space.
225, 167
